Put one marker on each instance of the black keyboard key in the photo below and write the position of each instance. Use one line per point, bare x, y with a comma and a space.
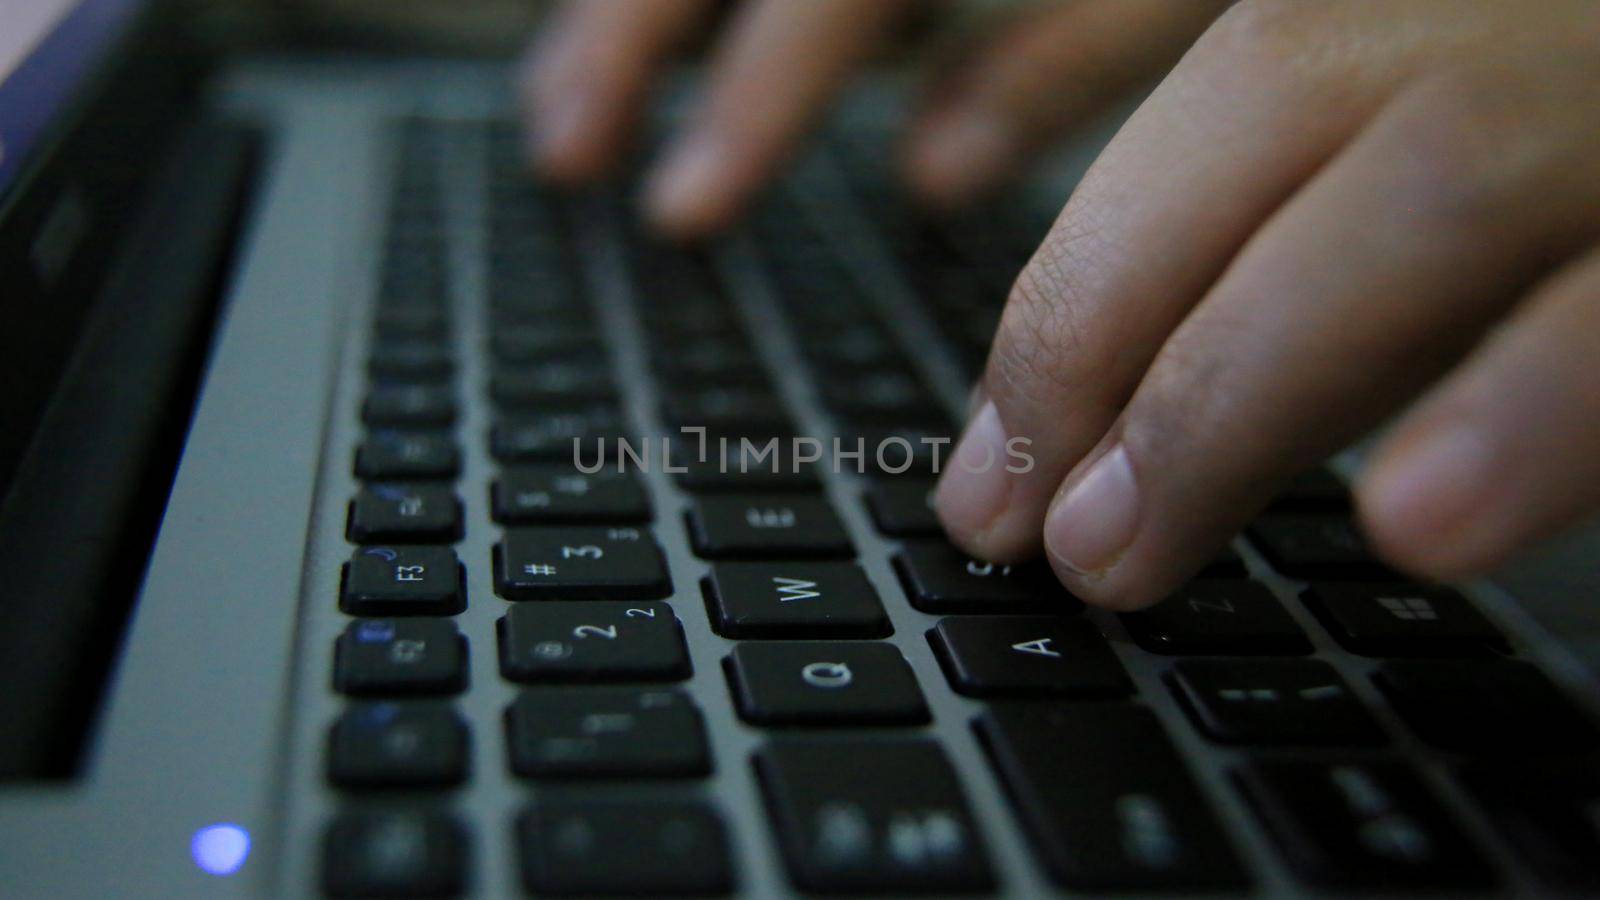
766, 526
400, 656
1547, 814
409, 406
1489, 707
417, 743
542, 384
1227, 564
903, 508
859, 816
557, 435
1272, 701
793, 600
915, 451
727, 410
533, 342
394, 854
1317, 490
404, 513
623, 848
723, 463
1106, 800
1230, 617
1377, 619
588, 563
403, 581
938, 578
1361, 825
410, 321
410, 361
824, 683
598, 732
878, 394
557, 493
988, 656
592, 640
407, 455
1315, 546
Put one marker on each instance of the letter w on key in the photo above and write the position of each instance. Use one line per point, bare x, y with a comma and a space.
794, 589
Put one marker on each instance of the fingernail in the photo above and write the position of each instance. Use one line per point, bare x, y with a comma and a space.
976, 400
1433, 486
1095, 522
958, 156
680, 186
975, 486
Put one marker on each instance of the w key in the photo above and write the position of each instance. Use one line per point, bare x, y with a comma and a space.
580, 564
793, 600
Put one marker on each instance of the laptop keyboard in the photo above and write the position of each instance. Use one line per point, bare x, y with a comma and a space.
1372, 726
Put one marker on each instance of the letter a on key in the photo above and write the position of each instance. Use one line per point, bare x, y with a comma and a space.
795, 589
1040, 646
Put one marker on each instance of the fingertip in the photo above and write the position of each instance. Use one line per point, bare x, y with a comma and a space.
690, 194
1420, 502
957, 157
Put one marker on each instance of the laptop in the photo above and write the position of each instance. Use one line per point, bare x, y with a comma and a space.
377, 522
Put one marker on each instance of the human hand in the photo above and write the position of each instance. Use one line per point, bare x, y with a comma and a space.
779, 62
1326, 212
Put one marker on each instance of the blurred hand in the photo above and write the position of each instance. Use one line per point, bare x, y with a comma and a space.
1325, 210
779, 63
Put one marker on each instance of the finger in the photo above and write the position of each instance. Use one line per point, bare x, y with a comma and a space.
1242, 120
587, 77
777, 65
1378, 275
1504, 453
1052, 69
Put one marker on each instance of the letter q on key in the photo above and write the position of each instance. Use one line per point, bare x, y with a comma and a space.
826, 674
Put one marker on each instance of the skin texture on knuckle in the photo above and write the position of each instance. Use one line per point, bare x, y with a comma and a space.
1033, 360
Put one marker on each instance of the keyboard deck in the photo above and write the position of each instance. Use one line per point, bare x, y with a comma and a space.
686, 679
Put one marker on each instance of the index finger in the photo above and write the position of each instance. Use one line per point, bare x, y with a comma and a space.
777, 66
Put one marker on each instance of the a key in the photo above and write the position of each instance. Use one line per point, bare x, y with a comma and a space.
405, 455
404, 513
860, 816
766, 526
1106, 800
1272, 701
394, 854
586, 640
602, 732
415, 743
557, 493
655, 848
793, 600
1488, 707
1361, 825
1228, 617
542, 384
378, 657
1546, 813
824, 683
903, 508
404, 581
986, 656
1397, 619
567, 563
1315, 546
409, 406
557, 435
938, 579
410, 361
